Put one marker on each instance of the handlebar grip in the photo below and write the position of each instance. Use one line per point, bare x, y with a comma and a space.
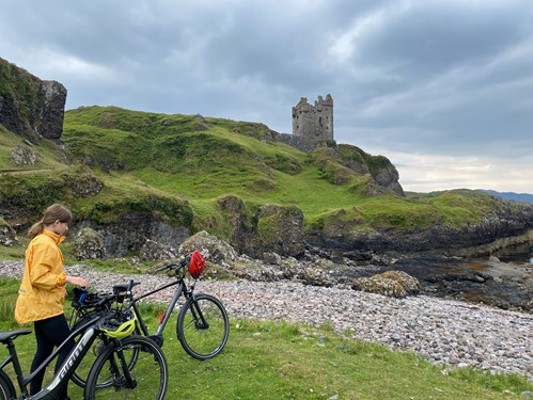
164, 267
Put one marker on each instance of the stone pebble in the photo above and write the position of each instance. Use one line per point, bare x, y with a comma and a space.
451, 333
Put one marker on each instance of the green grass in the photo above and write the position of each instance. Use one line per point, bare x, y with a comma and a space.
277, 360
49, 156
180, 165
205, 159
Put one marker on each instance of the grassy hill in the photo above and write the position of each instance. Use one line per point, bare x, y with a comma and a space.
179, 166
204, 158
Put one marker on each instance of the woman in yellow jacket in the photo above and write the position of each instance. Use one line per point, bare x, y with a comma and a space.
42, 291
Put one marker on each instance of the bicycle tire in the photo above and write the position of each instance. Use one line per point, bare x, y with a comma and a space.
203, 326
7, 389
149, 373
79, 377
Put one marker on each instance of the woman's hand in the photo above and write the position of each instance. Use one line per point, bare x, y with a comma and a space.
76, 280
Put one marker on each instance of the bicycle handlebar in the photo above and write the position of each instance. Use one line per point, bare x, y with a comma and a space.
87, 299
173, 266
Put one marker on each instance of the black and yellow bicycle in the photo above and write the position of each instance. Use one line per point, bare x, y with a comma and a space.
111, 375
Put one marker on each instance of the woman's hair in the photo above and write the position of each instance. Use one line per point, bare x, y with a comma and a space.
56, 212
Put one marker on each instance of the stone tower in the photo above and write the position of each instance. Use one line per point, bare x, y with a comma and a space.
313, 124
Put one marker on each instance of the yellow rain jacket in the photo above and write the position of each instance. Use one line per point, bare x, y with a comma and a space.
42, 291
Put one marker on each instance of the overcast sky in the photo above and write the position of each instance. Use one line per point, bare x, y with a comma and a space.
443, 88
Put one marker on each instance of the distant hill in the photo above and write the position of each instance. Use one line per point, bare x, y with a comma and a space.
520, 197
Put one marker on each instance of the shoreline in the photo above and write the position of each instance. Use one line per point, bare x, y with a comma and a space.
447, 332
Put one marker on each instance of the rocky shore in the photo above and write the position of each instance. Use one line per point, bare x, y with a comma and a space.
452, 333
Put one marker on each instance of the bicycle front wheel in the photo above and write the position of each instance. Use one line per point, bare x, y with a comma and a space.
79, 377
7, 390
203, 326
113, 377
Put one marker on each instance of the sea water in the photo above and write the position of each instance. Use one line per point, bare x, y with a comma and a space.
518, 254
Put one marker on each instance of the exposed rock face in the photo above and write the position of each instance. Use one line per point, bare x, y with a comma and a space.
341, 231
507, 286
152, 250
346, 164
29, 106
49, 122
23, 155
130, 232
86, 185
89, 245
388, 181
212, 248
281, 229
8, 237
273, 228
216, 251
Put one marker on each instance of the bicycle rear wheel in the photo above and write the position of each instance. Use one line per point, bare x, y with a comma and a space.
111, 377
203, 326
7, 390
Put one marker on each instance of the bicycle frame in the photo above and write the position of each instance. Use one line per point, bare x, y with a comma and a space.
66, 370
182, 289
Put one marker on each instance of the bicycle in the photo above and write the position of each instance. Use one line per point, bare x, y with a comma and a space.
202, 326
111, 376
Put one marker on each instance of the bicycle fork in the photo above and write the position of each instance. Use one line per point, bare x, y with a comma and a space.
199, 320
123, 376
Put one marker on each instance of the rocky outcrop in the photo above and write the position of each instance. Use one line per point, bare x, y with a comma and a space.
129, 232
346, 230
8, 236
23, 155
212, 248
272, 228
85, 184
29, 106
391, 283
387, 180
280, 230
152, 250
478, 280
225, 261
349, 165
89, 245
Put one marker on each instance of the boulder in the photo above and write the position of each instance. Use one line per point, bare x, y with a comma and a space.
152, 250
212, 248
390, 283
89, 245
23, 155
8, 236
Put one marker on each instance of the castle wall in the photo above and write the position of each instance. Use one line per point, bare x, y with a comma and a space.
313, 125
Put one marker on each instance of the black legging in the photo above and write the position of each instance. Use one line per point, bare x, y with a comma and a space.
49, 333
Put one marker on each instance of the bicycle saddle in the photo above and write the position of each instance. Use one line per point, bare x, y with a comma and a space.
6, 336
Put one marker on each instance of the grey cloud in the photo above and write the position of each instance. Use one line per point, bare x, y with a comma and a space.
450, 77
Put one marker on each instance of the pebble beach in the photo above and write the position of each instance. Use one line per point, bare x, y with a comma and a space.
452, 333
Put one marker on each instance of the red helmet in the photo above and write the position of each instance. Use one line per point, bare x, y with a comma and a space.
196, 265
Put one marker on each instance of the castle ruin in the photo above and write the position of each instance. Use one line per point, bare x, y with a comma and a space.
313, 124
